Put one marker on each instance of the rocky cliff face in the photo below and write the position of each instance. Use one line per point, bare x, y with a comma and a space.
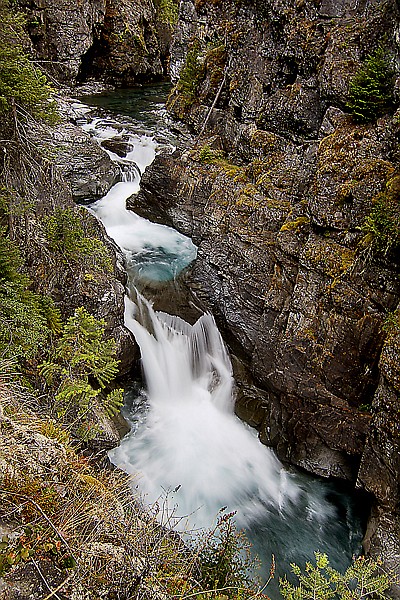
117, 41
277, 193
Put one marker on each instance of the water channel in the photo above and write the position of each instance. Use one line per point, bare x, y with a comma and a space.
186, 448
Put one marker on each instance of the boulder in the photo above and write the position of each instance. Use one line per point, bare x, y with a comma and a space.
87, 168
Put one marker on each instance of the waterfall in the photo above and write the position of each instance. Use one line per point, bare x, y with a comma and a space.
189, 454
192, 442
154, 252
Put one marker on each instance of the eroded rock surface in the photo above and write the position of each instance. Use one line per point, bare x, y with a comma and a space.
89, 171
276, 194
118, 41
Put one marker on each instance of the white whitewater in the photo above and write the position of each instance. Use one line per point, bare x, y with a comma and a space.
151, 251
189, 453
144, 147
192, 442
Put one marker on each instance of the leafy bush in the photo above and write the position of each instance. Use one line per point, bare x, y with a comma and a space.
83, 363
215, 61
371, 89
364, 579
22, 85
10, 260
31, 545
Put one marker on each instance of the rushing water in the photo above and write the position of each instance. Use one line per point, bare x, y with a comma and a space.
190, 453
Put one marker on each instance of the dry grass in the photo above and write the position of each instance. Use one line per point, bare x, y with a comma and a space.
59, 509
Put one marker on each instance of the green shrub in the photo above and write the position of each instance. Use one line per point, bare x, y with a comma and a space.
65, 233
167, 11
23, 87
391, 324
82, 364
192, 73
209, 156
381, 227
215, 61
225, 560
24, 331
364, 579
371, 89
10, 261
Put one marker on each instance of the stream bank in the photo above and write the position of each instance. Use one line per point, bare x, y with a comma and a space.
293, 527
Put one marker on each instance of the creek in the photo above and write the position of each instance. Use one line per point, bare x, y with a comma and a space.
191, 456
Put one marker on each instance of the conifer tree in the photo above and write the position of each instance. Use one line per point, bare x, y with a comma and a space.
82, 364
371, 89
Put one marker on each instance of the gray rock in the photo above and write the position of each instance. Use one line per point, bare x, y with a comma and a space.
115, 41
341, 8
62, 32
117, 145
85, 166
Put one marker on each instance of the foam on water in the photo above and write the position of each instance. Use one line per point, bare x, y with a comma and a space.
144, 146
153, 251
191, 456
189, 451
192, 439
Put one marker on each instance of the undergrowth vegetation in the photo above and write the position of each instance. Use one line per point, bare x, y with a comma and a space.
167, 11
83, 529
72, 357
191, 74
381, 227
63, 513
81, 364
365, 578
24, 328
44, 246
23, 87
66, 235
371, 89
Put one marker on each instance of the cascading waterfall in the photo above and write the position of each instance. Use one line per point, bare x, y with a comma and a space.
191, 456
187, 449
192, 442
152, 251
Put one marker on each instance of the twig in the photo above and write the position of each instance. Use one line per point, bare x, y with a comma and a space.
27, 499
231, 587
211, 108
54, 592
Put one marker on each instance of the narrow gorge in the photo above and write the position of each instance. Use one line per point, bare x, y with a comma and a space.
278, 157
